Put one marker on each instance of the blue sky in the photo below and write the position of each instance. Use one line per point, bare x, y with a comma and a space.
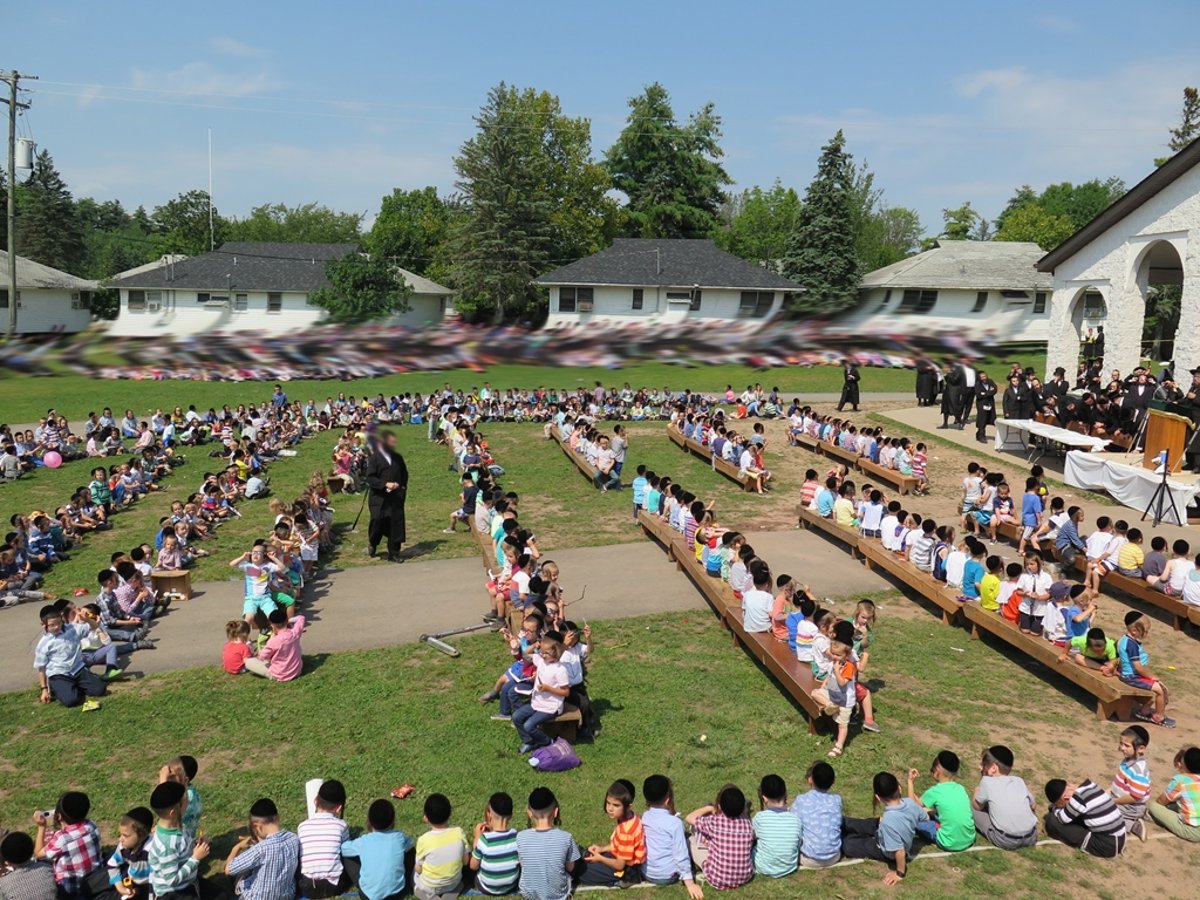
340, 103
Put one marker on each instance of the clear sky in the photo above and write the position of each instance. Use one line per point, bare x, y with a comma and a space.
341, 102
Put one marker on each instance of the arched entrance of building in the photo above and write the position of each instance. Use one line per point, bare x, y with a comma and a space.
1159, 278
1088, 312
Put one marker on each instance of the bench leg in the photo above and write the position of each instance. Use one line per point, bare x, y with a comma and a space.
974, 632
812, 725
1178, 623
946, 617
1105, 711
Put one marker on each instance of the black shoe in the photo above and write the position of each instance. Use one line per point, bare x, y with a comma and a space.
372, 552
395, 558
943, 426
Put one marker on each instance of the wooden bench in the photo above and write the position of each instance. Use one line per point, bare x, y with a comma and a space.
566, 724
700, 451
903, 483
175, 581
1113, 696
664, 535
807, 441
810, 518
833, 451
794, 676
876, 556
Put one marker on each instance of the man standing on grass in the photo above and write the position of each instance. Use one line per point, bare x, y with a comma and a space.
387, 478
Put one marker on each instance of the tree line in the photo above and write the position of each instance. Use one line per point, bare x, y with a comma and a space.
531, 194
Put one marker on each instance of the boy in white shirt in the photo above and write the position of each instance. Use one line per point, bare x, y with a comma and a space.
872, 515
757, 602
888, 525
1099, 545
1034, 585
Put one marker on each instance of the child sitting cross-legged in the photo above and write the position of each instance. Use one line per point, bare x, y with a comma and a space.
950, 824
889, 838
494, 857
619, 862
547, 854
1084, 816
264, 861
776, 831
1177, 808
723, 840
129, 864
379, 853
441, 853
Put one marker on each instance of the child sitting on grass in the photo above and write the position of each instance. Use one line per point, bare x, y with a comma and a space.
1177, 808
547, 854
237, 647
776, 831
950, 824
820, 814
1131, 785
889, 838
1084, 816
619, 862
70, 842
1134, 671
441, 853
723, 840
174, 854
380, 853
1002, 806
667, 857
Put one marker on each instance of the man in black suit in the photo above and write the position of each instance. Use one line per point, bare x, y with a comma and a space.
952, 395
985, 406
850, 379
387, 480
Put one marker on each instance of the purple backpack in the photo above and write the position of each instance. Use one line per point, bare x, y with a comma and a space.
556, 757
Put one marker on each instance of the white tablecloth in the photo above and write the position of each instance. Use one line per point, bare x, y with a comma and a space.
1130, 485
1010, 435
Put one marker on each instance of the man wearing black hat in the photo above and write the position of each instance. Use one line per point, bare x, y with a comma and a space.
265, 860
387, 479
850, 379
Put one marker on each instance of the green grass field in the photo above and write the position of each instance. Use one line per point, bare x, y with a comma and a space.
672, 695
23, 399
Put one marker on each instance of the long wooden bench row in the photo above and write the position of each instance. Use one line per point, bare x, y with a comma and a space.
905, 484
724, 466
1181, 613
775, 656
484, 541
1113, 697
810, 518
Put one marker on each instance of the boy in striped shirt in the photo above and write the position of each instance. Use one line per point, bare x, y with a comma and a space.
1084, 816
494, 857
174, 854
1131, 785
321, 837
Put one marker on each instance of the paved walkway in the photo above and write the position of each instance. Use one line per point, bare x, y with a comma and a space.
377, 606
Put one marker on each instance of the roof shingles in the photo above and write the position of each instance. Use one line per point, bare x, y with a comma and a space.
667, 263
245, 265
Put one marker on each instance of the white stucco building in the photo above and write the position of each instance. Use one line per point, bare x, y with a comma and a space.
667, 280
47, 300
986, 291
248, 286
1103, 272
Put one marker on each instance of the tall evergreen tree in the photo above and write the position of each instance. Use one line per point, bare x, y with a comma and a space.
47, 226
822, 255
533, 198
670, 173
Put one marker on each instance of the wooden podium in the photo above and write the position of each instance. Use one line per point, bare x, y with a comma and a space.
1165, 431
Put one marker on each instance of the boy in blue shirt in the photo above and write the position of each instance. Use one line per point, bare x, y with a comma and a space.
639, 490
803, 608
375, 860
973, 571
1133, 660
1031, 513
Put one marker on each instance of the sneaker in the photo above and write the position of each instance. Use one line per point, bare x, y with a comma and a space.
872, 726
500, 717
144, 645
831, 710
1139, 828
90, 705
489, 697
449, 531
1142, 715
113, 674
1165, 722
525, 748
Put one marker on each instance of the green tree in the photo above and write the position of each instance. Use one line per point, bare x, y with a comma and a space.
361, 288
1188, 128
889, 234
532, 197
1057, 212
821, 254
182, 224
670, 173
47, 226
1034, 223
961, 223
410, 228
756, 224
309, 223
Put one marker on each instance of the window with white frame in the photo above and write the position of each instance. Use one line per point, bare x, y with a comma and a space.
575, 299
240, 302
137, 301
1039, 303
755, 304
274, 302
917, 301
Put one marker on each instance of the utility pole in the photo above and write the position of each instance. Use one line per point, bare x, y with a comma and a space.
13, 80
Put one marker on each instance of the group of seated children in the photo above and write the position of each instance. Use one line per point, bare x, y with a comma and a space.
837, 650
726, 444
159, 849
896, 453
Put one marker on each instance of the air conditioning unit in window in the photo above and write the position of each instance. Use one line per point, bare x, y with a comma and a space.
153, 305
584, 306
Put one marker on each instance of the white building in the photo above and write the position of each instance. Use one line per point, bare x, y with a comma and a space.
668, 280
987, 291
248, 286
1104, 272
47, 300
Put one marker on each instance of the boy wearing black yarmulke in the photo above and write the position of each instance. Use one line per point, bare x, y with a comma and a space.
174, 854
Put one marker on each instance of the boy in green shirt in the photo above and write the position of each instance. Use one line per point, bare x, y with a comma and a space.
1093, 651
951, 824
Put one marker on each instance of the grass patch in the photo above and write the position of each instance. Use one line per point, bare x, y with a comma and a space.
379, 718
